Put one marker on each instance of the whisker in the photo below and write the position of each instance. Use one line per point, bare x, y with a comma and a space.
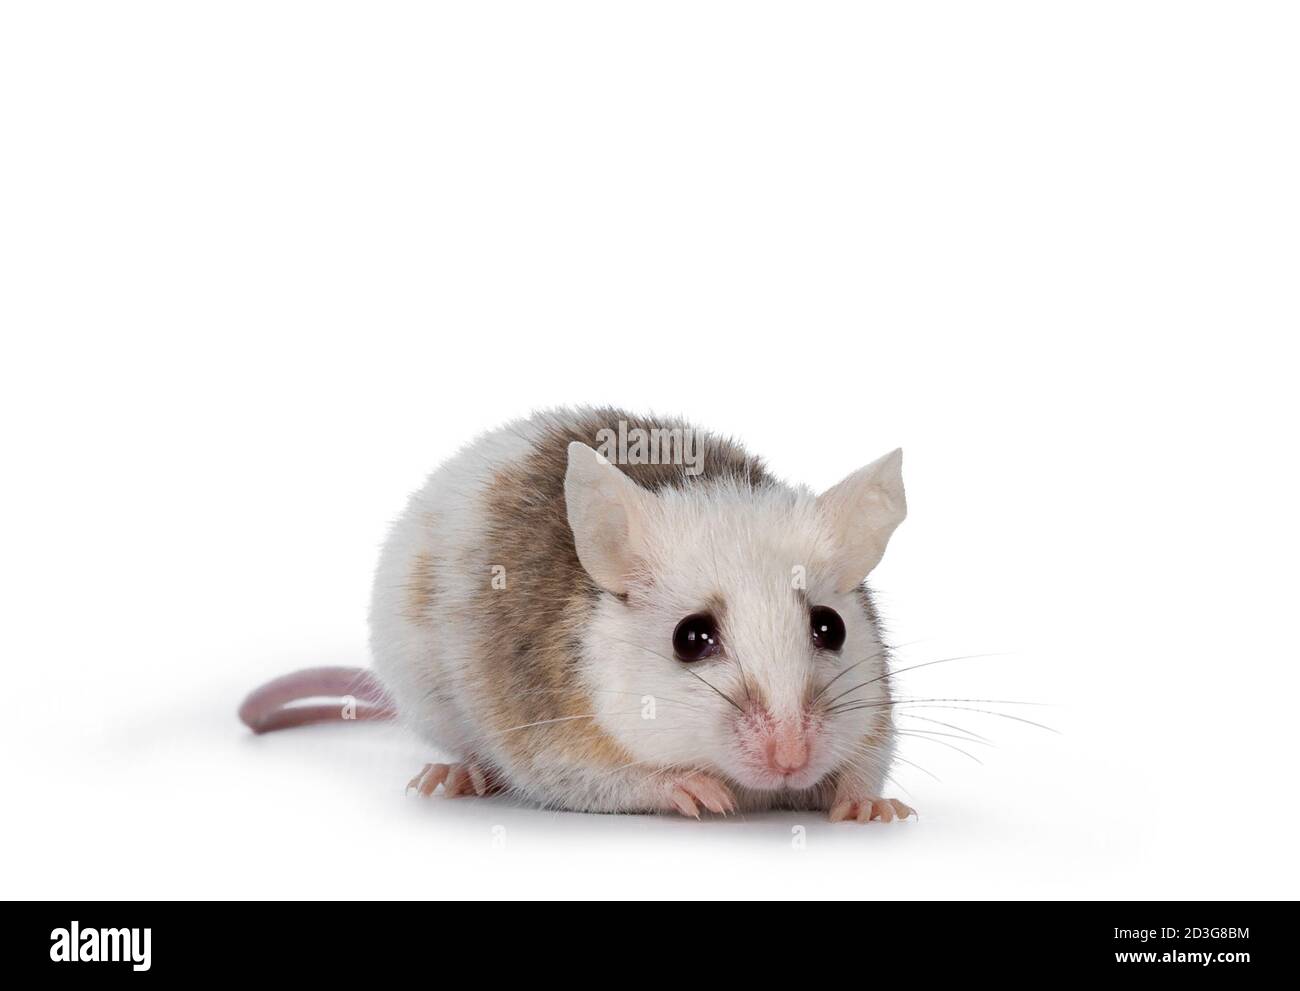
917, 766
657, 698
940, 722
624, 767
951, 736
871, 752
942, 743
901, 699
830, 706
918, 698
720, 692
648, 650
561, 719
890, 777
609, 691
929, 704
913, 667
990, 712
670, 768
858, 664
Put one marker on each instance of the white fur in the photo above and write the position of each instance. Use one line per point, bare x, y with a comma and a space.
743, 546
679, 550
423, 666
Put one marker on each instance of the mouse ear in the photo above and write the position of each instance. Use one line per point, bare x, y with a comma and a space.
607, 516
863, 511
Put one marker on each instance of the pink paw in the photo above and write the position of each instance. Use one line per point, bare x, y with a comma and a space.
866, 809
465, 778
684, 791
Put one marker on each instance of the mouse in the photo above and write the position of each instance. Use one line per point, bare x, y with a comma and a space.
595, 611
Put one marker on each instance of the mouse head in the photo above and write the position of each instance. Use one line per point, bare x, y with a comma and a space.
736, 636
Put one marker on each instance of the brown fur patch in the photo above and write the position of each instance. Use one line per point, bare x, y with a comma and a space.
530, 631
421, 589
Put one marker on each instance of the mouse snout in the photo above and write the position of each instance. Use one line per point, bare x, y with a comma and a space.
787, 749
775, 748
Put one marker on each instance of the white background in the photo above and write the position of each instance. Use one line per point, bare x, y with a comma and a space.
266, 264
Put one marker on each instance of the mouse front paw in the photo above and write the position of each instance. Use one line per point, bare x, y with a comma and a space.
865, 809
682, 792
465, 778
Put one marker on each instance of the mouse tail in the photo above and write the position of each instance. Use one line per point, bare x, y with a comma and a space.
298, 699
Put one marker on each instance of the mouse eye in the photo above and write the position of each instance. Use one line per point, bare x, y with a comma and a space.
827, 628
696, 638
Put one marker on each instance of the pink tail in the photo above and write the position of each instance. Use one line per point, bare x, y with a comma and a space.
271, 707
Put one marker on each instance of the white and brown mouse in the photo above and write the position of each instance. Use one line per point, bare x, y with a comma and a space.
601, 612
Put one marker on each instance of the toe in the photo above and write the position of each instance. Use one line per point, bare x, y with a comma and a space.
428, 779
870, 809
458, 782
711, 802
683, 802
415, 781
712, 794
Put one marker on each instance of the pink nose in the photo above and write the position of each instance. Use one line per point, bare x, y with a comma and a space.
787, 752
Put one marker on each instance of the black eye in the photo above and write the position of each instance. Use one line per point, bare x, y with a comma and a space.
696, 638
827, 628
